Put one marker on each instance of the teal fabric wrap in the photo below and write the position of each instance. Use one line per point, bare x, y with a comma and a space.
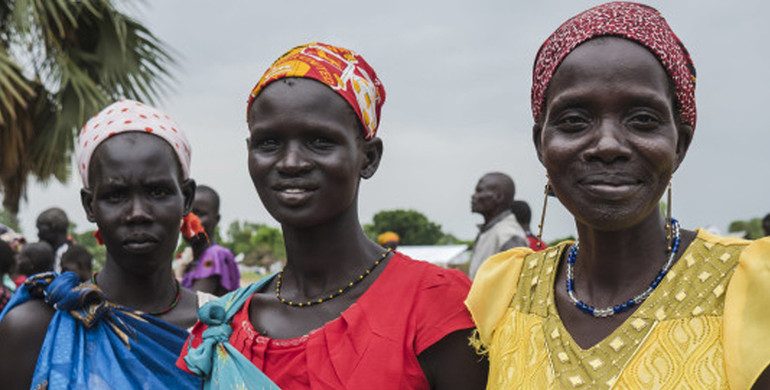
221, 366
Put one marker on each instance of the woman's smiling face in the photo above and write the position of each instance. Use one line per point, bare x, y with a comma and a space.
306, 152
610, 139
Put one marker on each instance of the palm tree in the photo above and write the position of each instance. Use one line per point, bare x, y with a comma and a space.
60, 62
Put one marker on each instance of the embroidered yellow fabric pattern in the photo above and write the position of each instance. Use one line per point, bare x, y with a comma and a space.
672, 341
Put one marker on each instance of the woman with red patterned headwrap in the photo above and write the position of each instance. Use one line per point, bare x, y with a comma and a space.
639, 303
344, 313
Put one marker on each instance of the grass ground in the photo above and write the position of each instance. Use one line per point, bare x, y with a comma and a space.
250, 277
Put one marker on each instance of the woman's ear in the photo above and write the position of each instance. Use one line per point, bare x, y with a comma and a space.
685, 133
188, 192
87, 198
373, 154
537, 132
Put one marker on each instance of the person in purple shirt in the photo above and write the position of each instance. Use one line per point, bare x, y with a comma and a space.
214, 269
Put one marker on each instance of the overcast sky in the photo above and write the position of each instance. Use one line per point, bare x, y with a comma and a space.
457, 76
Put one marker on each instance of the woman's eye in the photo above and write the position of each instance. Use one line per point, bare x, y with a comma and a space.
644, 121
322, 142
113, 197
572, 122
159, 192
265, 144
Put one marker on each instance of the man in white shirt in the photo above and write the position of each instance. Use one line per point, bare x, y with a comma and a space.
500, 230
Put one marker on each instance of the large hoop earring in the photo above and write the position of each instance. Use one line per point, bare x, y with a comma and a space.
668, 216
542, 215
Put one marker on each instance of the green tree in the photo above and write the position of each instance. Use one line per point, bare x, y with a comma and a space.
413, 227
559, 240
60, 62
260, 244
752, 228
9, 220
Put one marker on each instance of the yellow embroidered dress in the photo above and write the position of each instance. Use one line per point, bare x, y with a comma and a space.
706, 326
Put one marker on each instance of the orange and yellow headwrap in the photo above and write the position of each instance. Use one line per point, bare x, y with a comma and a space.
344, 71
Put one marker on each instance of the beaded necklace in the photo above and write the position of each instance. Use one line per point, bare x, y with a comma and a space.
612, 310
165, 310
334, 294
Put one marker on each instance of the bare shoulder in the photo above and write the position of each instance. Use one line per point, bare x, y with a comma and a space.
22, 333
24, 321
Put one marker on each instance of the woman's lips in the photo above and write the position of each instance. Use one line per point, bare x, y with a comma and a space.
612, 187
293, 196
140, 244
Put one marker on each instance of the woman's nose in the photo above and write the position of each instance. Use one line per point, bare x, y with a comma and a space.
610, 143
293, 160
138, 211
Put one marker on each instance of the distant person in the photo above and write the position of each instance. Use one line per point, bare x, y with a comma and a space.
523, 215
10, 239
35, 258
15, 240
766, 224
214, 269
500, 230
52, 225
388, 240
78, 260
6, 265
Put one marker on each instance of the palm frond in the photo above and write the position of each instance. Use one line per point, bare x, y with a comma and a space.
79, 55
14, 90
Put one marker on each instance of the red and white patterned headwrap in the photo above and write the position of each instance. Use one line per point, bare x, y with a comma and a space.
124, 116
342, 70
637, 22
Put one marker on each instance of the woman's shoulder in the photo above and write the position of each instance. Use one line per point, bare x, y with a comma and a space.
502, 270
23, 330
431, 301
418, 276
729, 253
710, 239
746, 341
495, 284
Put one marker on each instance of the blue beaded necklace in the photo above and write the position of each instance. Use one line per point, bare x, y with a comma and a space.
612, 310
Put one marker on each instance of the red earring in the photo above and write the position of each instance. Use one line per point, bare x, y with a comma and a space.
98, 236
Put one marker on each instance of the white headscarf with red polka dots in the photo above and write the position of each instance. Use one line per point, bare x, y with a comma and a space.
129, 115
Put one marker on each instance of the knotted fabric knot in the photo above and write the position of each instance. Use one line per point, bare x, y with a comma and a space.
200, 360
85, 302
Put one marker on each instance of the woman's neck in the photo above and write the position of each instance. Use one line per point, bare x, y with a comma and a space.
612, 264
148, 292
327, 255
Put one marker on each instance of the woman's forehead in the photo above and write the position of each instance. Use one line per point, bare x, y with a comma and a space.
298, 93
598, 63
134, 154
301, 100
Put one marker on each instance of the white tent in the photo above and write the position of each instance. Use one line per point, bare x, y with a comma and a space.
442, 255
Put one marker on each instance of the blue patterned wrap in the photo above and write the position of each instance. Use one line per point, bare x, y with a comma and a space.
92, 343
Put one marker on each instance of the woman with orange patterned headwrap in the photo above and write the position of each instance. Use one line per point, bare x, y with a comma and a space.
344, 313
636, 302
